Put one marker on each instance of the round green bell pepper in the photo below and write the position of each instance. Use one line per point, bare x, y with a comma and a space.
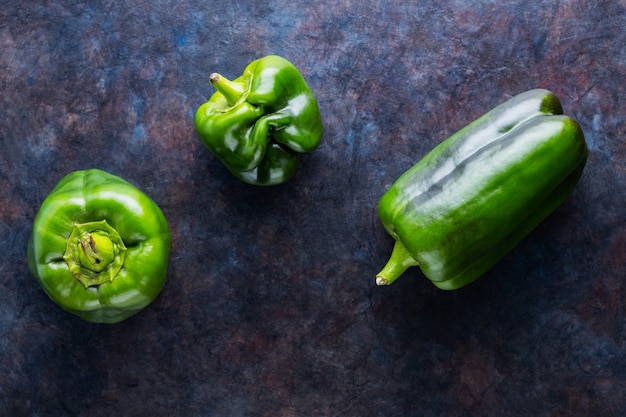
99, 247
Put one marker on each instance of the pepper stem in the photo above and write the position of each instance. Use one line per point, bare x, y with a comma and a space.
399, 262
231, 90
94, 253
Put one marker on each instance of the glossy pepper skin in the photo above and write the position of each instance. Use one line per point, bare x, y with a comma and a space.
99, 247
475, 196
259, 123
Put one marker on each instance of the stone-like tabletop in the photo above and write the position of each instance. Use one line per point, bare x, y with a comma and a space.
270, 308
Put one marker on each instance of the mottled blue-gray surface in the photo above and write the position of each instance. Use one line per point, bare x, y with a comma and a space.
270, 308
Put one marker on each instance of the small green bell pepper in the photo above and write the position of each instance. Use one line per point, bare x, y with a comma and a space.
99, 247
258, 123
475, 196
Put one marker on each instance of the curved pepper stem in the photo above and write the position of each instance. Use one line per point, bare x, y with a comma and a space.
94, 253
399, 262
231, 90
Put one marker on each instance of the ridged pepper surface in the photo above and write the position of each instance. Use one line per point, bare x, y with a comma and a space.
259, 123
475, 196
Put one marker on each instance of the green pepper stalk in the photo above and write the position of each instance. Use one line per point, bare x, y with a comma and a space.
476, 195
99, 247
259, 123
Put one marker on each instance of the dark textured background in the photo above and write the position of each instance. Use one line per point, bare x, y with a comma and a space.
270, 308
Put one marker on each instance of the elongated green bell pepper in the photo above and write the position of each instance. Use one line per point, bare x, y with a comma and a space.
475, 196
259, 123
99, 247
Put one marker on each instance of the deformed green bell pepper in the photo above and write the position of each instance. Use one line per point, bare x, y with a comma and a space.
475, 196
99, 247
259, 123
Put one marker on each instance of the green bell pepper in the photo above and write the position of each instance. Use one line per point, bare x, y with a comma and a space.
259, 123
475, 196
99, 247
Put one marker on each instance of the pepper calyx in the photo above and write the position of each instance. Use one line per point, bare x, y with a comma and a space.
94, 253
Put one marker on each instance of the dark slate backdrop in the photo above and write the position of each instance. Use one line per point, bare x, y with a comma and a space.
271, 308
